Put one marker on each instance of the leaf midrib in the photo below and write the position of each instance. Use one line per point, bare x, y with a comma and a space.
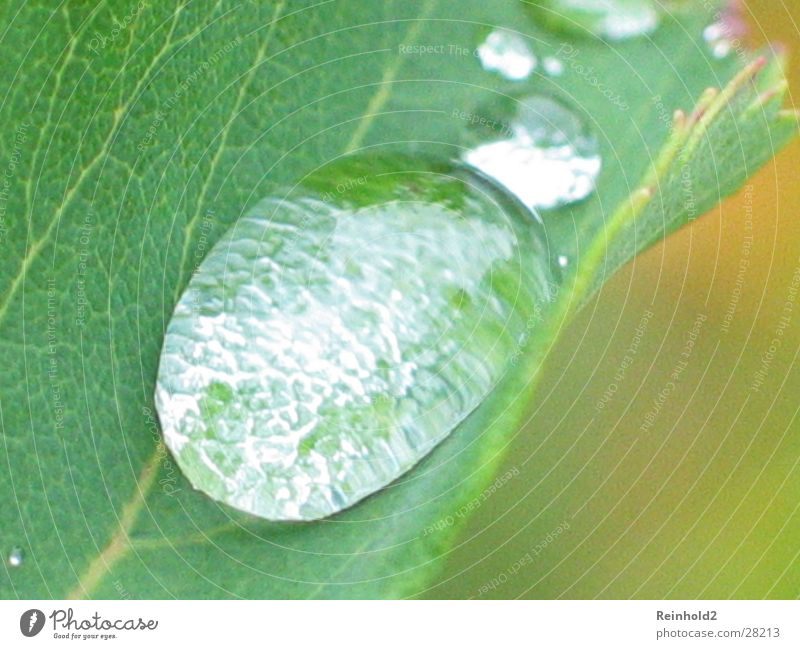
119, 544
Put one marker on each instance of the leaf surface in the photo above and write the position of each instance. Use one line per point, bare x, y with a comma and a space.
136, 134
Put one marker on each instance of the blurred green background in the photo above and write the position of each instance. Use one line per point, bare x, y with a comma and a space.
705, 501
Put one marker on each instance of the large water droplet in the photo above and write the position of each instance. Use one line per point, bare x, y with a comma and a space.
508, 54
15, 557
613, 20
336, 334
546, 156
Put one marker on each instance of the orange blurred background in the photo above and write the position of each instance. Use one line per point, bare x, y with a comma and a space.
705, 502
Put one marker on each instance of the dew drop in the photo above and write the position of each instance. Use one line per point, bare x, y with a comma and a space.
340, 331
553, 66
15, 557
546, 141
508, 54
726, 34
613, 20
563, 261
715, 35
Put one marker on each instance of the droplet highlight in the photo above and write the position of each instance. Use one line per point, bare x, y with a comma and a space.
719, 43
613, 20
508, 54
546, 156
725, 35
15, 557
553, 66
333, 337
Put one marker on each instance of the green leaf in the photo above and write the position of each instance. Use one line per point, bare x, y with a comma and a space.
137, 133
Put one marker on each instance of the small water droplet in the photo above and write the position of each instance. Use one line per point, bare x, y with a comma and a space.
614, 20
721, 50
716, 36
333, 337
553, 66
563, 261
546, 157
508, 54
15, 557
